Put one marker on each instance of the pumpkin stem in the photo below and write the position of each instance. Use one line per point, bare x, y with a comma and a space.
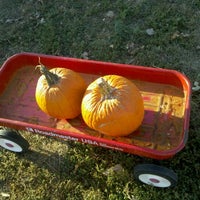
106, 89
50, 77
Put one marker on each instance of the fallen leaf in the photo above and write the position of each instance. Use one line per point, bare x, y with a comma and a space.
84, 55
3, 194
150, 31
196, 86
115, 168
110, 14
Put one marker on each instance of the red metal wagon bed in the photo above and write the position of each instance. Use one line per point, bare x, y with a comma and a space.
166, 95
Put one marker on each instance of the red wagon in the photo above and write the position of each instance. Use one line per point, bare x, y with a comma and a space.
163, 133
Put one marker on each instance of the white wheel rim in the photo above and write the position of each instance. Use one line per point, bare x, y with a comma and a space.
154, 180
10, 145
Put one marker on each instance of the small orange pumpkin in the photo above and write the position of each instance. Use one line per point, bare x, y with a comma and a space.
113, 106
59, 92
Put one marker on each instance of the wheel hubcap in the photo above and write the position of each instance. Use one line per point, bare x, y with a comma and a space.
154, 180
10, 145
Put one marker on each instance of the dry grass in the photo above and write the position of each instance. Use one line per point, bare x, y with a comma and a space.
154, 33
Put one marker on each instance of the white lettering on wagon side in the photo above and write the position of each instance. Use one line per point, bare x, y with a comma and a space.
83, 140
52, 134
110, 147
89, 141
92, 142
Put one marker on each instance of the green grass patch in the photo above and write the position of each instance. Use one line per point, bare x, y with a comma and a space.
154, 33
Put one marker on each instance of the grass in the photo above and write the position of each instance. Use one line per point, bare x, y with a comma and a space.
115, 31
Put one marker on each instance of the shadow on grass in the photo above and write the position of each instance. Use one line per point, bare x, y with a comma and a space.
51, 161
85, 166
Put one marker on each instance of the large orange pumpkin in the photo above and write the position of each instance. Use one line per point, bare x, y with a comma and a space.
113, 106
59, 92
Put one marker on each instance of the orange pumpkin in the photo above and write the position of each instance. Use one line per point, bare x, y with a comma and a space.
59, 92
113, 106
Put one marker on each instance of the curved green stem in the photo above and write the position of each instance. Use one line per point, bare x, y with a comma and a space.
106, 89
50, 77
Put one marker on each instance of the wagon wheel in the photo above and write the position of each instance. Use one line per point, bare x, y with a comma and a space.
155, 175
13, 141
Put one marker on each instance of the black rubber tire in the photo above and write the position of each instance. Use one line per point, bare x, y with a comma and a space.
155, 175
13, 141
